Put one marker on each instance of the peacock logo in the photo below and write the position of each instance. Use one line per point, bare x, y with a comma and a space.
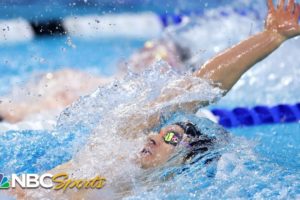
4, 184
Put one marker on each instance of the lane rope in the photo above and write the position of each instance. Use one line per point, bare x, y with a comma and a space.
143, 25
260, 114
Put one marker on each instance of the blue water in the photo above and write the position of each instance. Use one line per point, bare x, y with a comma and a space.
271, 171
49, 9
18, 61
278, 143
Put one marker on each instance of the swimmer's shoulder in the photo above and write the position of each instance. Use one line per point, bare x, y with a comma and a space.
63, 167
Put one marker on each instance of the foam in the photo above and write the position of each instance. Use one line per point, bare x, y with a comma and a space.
109, 117
41, 121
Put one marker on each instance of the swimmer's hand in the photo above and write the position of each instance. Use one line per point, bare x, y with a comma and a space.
17, 193
283, 19
226, 68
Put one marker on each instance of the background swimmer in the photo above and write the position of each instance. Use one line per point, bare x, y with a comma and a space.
51, 91
223, 70
54, 91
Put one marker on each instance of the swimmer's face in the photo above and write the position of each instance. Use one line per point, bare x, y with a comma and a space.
156, 151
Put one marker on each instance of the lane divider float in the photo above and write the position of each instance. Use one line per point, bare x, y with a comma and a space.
257, 115
143, 25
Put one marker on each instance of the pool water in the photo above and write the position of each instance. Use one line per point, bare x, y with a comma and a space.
18, 61
43, 10
261, 162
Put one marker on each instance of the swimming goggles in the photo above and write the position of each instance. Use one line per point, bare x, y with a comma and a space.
172, 138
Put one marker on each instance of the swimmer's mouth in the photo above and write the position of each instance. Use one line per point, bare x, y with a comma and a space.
146, 151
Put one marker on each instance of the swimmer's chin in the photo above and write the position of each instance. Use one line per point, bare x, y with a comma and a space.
138, 160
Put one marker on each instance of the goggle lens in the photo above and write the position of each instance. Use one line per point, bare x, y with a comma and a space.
172, 138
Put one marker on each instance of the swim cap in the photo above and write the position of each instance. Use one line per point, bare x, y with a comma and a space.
198, 140
189, 128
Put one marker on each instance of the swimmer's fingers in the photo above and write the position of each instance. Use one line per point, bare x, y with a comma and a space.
297, 12
280, 5
18, 193
270, 6
291, 6
284, 19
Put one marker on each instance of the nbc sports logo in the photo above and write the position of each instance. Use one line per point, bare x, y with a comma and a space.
4, 184
57, 182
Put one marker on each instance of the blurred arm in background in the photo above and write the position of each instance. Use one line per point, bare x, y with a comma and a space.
51, 91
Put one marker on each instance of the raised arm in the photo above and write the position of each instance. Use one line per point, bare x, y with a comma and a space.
226, 68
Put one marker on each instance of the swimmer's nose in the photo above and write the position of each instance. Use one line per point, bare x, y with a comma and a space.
153, 140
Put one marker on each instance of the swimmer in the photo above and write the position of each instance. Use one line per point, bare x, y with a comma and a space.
167, 49
54, 91
50, 91
160, 146
223, 71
